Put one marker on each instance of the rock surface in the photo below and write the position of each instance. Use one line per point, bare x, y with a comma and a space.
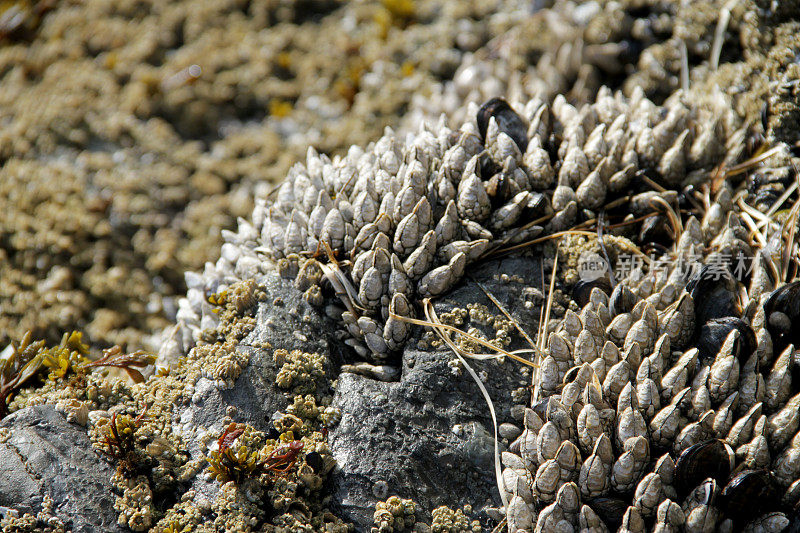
404, 437
46, 455
283, 320
394, 437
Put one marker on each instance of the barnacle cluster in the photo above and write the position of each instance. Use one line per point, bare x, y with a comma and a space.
394, 514
298, 370
650, 359
148, 135
45, 521
447, 520
666, 397
399, 221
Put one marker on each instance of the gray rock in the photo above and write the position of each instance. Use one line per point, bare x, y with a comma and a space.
46, 455
428, 437
254, 398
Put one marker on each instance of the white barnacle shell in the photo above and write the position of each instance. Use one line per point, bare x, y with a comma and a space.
520, 515
405, 202
616, 378
709, 144
440, 279
503, 147
508, 214
536, 162
589, 521
563, 194
416, 177
595, 148
672, 166
724, 375
517, 178
742, 429
453, 164
365, 209
412, 227
396, 330
515, 480
666, 424
546, 481
586, 349
473, 202
646, 148
618, 329
472, 249
595, 474
649, 494
448, 227
620, 180
539, 126
549, 376
399, 281
591, 193
371, 288
373, 336
574, 168
316, 220
779, 380
630, 423
296, 235
563, 219
725, 415
421, 259
628, 469
475, 230
782, 425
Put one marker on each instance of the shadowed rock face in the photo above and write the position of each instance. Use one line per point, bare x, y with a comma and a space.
398, 438
46, 455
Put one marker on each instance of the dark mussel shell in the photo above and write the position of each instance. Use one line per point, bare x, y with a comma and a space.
486, 167
610, 510
622, 300
715, 331
708, 459
750, 494
538, 206
507, 120
582, 290
655, 230
314, 460
782, 311
499, 188
715, 293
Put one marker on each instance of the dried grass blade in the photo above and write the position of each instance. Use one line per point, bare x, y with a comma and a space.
430, 314
440, 327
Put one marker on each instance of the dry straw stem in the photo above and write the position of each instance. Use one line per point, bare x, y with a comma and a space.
341, 285
443, 331
719, 34
790, 253
674, 218
722, 173
541, 334
430, 314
